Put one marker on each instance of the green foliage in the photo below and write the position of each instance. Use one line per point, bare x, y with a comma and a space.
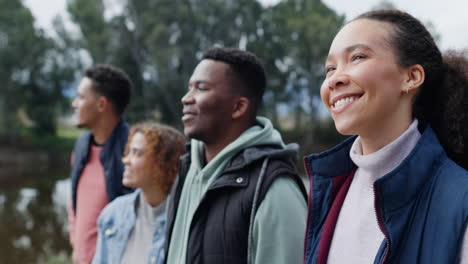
306, 29
160, 42
33, 73
60, 258
61, 142
384, 4
51, 143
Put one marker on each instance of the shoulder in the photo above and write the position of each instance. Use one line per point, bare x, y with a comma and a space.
118, 206
282, 184
280, 165
125, 125
83, 140
119, 135
123, 128
283, 200
280, 171
451, 183
80, 148
279, 158
285, 191
449, 172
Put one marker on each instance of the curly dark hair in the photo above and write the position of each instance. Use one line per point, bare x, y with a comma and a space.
440, 101
165, 144
113, 83
247, 69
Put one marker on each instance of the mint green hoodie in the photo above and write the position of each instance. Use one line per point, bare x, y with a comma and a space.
199, 178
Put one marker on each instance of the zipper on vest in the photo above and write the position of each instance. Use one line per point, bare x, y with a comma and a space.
309, 204
381, 226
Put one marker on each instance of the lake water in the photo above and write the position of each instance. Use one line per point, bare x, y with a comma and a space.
33, 218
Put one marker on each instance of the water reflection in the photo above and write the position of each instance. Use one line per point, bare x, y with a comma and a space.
33, 218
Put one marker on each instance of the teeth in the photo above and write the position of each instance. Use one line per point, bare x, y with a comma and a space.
343, 101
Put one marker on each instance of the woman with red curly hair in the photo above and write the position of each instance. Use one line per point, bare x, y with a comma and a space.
131, 229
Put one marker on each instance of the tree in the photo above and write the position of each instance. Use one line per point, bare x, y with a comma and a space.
307, 29
32, 74
160, 42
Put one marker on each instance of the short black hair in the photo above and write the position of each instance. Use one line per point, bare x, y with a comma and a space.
247, 69
113, 83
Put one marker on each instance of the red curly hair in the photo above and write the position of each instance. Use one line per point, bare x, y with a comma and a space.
165, 144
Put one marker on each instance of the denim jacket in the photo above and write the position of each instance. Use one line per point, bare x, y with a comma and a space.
115, 225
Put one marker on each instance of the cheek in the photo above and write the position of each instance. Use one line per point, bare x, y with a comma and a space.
77, 104
84, 107
377, 77
325, 93
148, 168
211, 104
218, 108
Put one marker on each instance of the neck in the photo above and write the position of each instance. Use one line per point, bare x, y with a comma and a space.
212, 148
103, 128
385, 135
153, 195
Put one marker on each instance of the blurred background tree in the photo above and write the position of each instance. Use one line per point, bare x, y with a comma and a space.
34, 71
160, 42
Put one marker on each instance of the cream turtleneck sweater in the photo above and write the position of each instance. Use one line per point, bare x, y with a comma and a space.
357, 236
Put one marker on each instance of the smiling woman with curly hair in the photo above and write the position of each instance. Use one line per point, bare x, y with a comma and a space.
131, 229
398, 191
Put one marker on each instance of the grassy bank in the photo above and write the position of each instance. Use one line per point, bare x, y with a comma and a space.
63, 141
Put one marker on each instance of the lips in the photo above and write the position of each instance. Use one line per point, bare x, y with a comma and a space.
187, 115
126, 173
338, 103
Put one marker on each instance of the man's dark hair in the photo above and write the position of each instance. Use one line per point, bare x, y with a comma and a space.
113, 83
248, 71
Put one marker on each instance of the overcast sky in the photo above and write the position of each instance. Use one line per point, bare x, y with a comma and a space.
449, 17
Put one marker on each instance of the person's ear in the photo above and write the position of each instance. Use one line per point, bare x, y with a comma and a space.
103, 104
415, 77
240, 108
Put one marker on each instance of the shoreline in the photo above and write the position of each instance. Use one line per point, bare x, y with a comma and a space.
16, 162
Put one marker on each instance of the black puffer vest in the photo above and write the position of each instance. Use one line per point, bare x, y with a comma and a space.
219, 232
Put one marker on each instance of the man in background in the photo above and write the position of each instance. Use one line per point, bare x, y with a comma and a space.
96, 172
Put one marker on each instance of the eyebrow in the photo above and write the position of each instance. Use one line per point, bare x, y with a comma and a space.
139, 150
199, 82
351, 48
358, 46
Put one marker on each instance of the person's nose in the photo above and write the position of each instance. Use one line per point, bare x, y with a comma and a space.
74, 103
338, 79
187, 98
125, 160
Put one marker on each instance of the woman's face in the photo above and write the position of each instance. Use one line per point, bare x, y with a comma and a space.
364, 83
139, 163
